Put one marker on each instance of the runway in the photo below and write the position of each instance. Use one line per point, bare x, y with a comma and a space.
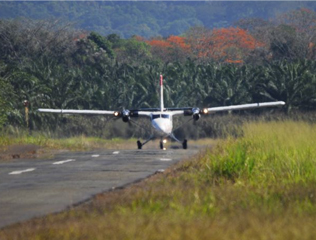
36, 187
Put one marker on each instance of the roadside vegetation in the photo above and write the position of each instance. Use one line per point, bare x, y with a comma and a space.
258, 186
52, 65
78, 143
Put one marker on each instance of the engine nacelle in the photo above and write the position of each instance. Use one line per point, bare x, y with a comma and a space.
126, 115
196, 114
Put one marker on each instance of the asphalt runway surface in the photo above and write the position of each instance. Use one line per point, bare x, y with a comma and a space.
35, 187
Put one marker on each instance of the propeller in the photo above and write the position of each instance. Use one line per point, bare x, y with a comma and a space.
196, 113
126, 114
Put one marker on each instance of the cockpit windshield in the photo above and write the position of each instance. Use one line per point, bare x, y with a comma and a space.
154, 116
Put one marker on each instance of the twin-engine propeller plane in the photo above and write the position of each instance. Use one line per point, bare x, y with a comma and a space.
161, 118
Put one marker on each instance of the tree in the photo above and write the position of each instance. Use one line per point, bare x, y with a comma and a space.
292, 82
231, 85
6, 94
174, 48
133, 51
101, 43
231, 45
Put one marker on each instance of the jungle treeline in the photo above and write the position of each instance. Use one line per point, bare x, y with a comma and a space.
52, 65
148, 18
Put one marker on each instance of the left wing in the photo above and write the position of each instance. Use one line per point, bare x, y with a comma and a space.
71, 111
197, 111
244, 106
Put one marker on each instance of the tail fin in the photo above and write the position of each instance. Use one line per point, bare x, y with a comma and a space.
161, 94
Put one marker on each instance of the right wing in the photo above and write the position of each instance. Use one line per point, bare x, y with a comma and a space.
71, 111
127, 113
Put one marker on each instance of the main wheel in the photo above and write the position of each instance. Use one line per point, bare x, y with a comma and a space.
139, 144
185, 144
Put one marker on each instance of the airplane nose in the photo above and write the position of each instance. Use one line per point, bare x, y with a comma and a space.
163, 126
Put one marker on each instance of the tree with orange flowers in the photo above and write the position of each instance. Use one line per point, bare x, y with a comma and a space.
174, 48
230, 45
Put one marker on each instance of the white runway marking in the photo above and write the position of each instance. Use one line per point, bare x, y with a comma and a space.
116, 152
165, 159
22, 171
95, 155
65, 161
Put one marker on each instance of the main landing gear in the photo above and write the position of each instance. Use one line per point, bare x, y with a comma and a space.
140, 144
185, 144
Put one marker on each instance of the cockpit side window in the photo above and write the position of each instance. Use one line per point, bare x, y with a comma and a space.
155, 116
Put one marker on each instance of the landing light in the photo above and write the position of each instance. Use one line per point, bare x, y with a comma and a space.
116, 114
164, 141
205, 110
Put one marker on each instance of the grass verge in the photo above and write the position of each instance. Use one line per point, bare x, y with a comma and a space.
259, 186
74, 143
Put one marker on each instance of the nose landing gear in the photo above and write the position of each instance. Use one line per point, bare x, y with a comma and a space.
139, 144
162, 142
185, 144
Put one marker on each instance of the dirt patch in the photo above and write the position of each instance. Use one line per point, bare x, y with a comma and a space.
24, 151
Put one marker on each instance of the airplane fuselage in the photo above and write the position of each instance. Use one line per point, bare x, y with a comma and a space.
162, 123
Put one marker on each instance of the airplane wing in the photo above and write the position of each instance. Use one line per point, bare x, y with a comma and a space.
243, 106
127, 113
71, 111
189, 111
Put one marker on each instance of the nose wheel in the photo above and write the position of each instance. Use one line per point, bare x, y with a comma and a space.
161, 145
139, 144
185, 144
162, 142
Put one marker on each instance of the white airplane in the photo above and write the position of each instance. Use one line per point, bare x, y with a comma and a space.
162, 118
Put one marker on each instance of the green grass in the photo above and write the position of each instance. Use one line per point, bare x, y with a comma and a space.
73, 143
259, 186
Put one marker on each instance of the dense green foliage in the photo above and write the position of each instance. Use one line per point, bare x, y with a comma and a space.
52, 65
147, 19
